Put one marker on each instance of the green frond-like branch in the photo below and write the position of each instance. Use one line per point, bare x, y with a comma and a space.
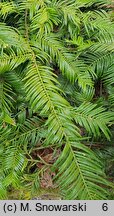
71, 68
44, 97
10, 62
13, 165
80, 173
93, 118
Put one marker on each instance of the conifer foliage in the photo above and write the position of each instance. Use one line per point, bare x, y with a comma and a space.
56, 94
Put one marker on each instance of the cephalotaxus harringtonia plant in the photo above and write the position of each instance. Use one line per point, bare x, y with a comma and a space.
56, 92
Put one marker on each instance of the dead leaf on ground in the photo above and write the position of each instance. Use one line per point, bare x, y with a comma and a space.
46, 180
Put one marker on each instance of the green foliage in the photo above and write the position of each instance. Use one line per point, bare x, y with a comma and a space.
56, 80
77, 161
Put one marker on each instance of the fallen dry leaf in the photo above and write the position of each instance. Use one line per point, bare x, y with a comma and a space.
46, 181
